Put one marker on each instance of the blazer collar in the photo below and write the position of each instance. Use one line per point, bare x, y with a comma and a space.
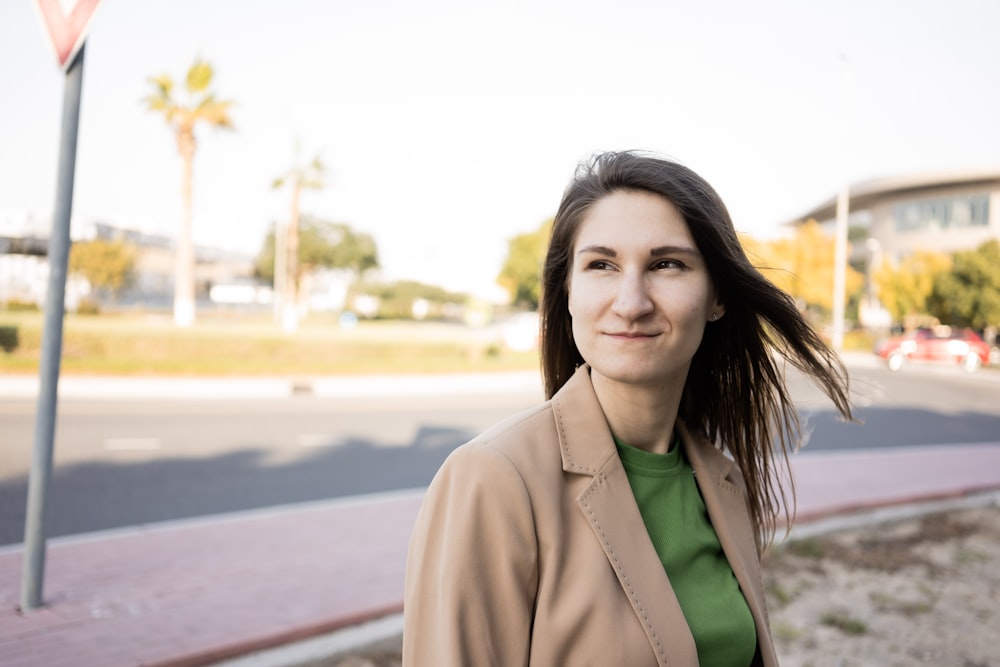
585, 441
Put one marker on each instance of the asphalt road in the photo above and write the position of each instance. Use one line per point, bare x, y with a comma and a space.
128, 462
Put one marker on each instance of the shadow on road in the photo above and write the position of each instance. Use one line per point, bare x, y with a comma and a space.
98, 496
897, 427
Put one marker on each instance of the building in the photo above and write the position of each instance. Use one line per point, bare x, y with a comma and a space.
24, 266
944, 212
891, 218
153, 282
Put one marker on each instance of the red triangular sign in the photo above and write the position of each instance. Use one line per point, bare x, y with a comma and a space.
66, 23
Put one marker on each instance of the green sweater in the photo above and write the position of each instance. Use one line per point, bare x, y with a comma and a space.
678, 524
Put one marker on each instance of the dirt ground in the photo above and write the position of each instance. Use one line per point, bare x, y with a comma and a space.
915, 592
918, 592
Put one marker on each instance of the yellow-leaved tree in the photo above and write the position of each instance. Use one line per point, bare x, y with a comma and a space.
521, 273
905, 289
803, 266
107, 265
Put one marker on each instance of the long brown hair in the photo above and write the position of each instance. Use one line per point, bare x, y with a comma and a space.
735, 393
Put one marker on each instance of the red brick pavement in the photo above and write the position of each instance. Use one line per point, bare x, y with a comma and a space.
190, 594
838, 482
193, 593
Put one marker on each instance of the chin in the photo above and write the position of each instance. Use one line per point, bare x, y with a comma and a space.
634, 376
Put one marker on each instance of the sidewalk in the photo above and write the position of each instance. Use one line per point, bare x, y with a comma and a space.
197, 592
194, 592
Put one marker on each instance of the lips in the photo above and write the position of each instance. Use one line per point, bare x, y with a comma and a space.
632, 334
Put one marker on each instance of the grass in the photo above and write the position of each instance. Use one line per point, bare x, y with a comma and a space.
786, 632
810, 547
964, 556
239, 344
252, 344
844, 622
779, 593
887, 603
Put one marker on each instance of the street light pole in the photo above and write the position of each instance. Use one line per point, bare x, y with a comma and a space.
840, 267
843, 206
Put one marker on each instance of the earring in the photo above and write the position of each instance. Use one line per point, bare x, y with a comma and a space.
715, 316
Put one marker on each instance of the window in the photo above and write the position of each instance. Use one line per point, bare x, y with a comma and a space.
942, 213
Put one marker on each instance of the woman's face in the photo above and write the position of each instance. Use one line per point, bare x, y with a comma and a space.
639, 293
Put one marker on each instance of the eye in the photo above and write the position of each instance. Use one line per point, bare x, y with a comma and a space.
600, 265
664, 264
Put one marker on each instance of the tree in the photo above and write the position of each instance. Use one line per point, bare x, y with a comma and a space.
969, 294
335, 246
521, 273
396, 300
803, 266
905, 290
107, 265
197, 104
322, 244
299, 177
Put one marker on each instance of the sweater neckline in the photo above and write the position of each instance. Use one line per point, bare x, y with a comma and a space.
642, 460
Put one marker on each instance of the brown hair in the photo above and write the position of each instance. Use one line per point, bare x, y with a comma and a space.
735, 393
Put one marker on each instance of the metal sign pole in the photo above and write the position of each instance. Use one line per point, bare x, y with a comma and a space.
45, 416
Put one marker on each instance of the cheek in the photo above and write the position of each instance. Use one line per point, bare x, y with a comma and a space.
692, 307
570, 303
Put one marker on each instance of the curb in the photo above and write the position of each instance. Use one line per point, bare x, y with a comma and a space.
361, 386
385, 632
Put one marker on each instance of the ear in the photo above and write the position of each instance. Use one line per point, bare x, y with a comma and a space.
718, 310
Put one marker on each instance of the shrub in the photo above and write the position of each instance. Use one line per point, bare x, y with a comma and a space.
88, 307
18, 306
9, 339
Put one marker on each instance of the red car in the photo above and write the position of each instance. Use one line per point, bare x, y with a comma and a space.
939, 345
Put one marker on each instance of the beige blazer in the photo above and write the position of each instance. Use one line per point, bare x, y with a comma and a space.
529, 549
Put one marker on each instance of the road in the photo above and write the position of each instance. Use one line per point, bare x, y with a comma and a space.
128, 462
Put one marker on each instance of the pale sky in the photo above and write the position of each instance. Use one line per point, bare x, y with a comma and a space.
450, 126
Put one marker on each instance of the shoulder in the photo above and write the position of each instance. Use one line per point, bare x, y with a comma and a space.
488, 486
522, 443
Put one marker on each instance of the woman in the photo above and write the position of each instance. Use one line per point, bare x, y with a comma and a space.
622, 521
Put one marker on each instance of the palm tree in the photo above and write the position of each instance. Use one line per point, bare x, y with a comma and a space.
197, 105
286, 259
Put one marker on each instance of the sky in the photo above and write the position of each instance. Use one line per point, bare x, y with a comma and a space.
449, 126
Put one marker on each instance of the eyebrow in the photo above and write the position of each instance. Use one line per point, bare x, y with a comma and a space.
659, 251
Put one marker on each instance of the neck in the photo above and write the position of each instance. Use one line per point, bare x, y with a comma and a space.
642, 416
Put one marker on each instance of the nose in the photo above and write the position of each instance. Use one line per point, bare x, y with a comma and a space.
632, 301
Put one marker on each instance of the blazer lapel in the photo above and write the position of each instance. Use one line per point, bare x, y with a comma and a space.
730, 517
609, 506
